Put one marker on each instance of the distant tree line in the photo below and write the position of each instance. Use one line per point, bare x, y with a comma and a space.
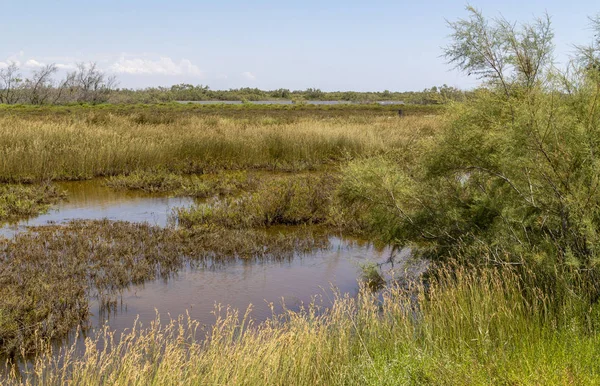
188, 92
88, 84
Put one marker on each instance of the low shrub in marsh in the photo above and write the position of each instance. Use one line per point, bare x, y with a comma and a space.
21, 201
200, 186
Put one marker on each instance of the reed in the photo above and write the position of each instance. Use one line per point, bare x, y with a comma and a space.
96, 142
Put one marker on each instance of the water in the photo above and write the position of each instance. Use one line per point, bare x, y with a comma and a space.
197, 290
289, 102
93, 201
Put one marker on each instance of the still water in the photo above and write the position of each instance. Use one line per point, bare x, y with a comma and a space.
196, 290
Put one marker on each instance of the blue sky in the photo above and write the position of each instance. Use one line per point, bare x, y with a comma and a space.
331, 45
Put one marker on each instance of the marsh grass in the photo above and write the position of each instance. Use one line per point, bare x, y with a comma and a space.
279, 200
199, 186
49, 274
85, 143
19, 201
467, 327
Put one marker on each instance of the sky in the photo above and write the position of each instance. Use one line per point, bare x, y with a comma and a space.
332, 45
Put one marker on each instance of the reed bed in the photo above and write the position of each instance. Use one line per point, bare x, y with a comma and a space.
470, 327
94, 143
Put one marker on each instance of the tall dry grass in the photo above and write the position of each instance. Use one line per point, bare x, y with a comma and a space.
40, 147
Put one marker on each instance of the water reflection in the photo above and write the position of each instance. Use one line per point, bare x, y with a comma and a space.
240, 284
92, 200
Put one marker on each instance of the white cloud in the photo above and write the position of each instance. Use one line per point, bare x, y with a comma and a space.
9, 62
248, 75
32, 63
12, 59
162, 66
66, 66
16, 58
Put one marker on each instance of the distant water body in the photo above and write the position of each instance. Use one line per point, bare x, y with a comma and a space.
288, 102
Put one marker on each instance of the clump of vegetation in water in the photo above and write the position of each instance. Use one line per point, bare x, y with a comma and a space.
20, 201
199, 186
371, 276
48, 275
293, 200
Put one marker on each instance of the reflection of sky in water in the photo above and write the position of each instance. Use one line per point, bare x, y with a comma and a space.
241, 284
91, 200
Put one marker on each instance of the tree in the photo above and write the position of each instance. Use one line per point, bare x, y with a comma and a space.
89, 84
514, 177
40, 87
499, 52
10, 82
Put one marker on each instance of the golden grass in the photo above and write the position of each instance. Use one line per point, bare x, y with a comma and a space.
88, 145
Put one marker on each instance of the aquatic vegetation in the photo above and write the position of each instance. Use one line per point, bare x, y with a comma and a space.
371, 276
283, 200
199, 186
20, 201
49, 274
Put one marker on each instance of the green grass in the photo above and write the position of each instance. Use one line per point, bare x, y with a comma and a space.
20, 201
470, 327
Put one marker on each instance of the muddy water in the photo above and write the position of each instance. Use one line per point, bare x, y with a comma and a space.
296, 281
94, 201
197, 290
